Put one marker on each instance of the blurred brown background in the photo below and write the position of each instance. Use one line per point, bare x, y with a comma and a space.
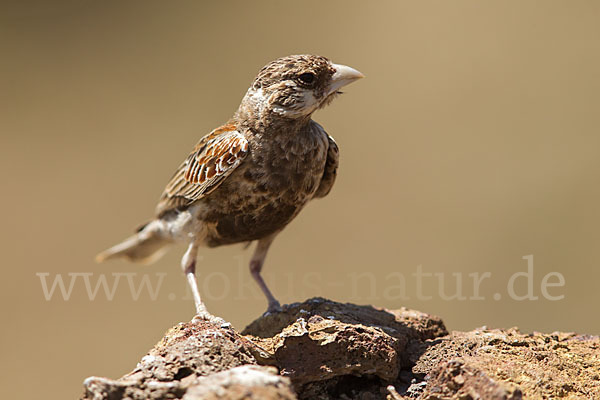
473, 142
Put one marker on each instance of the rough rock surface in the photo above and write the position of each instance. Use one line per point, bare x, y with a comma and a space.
322, 349
319, 343
244, 382
539, 366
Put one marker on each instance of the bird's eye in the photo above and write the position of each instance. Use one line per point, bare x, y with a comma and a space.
307, 78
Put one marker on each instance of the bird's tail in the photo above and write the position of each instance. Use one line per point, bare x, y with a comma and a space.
146, 246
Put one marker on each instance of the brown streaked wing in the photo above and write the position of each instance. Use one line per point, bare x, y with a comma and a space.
330, 171
212, 160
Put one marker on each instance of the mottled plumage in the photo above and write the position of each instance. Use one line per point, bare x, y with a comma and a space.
249, 178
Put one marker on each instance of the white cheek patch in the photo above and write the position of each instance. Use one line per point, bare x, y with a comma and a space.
306, 105
310, 101
289, 112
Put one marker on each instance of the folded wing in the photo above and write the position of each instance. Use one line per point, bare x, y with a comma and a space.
212, 160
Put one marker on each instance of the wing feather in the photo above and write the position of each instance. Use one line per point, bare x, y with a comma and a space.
212, 160
330, 172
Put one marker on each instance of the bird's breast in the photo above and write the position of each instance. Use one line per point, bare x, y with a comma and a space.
268, 189
288, 167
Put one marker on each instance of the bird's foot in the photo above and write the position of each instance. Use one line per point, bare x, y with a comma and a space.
274, 307
205, 316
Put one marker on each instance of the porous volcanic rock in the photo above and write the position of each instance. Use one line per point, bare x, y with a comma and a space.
536, 365
321, 349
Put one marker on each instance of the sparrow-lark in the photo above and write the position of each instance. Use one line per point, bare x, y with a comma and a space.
249, 178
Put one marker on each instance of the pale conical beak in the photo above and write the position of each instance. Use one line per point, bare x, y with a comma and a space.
342, 76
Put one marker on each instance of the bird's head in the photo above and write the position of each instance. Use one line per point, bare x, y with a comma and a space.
295, 86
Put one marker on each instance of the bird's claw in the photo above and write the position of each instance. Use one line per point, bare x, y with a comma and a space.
274, 307
208, 317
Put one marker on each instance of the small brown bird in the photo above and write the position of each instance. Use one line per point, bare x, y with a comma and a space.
249, 178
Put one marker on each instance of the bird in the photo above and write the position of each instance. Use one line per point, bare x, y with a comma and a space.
248, 179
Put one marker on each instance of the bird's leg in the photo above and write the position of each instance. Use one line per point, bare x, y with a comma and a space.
256, 263
188, 263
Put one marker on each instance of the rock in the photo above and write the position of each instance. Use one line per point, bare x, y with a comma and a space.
322, 349
314, 342
413, 324
187, 351
194, 349
97, 388
249, 382
538, 365
457, 381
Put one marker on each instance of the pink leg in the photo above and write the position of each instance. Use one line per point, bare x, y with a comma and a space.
188, 263
256, 263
